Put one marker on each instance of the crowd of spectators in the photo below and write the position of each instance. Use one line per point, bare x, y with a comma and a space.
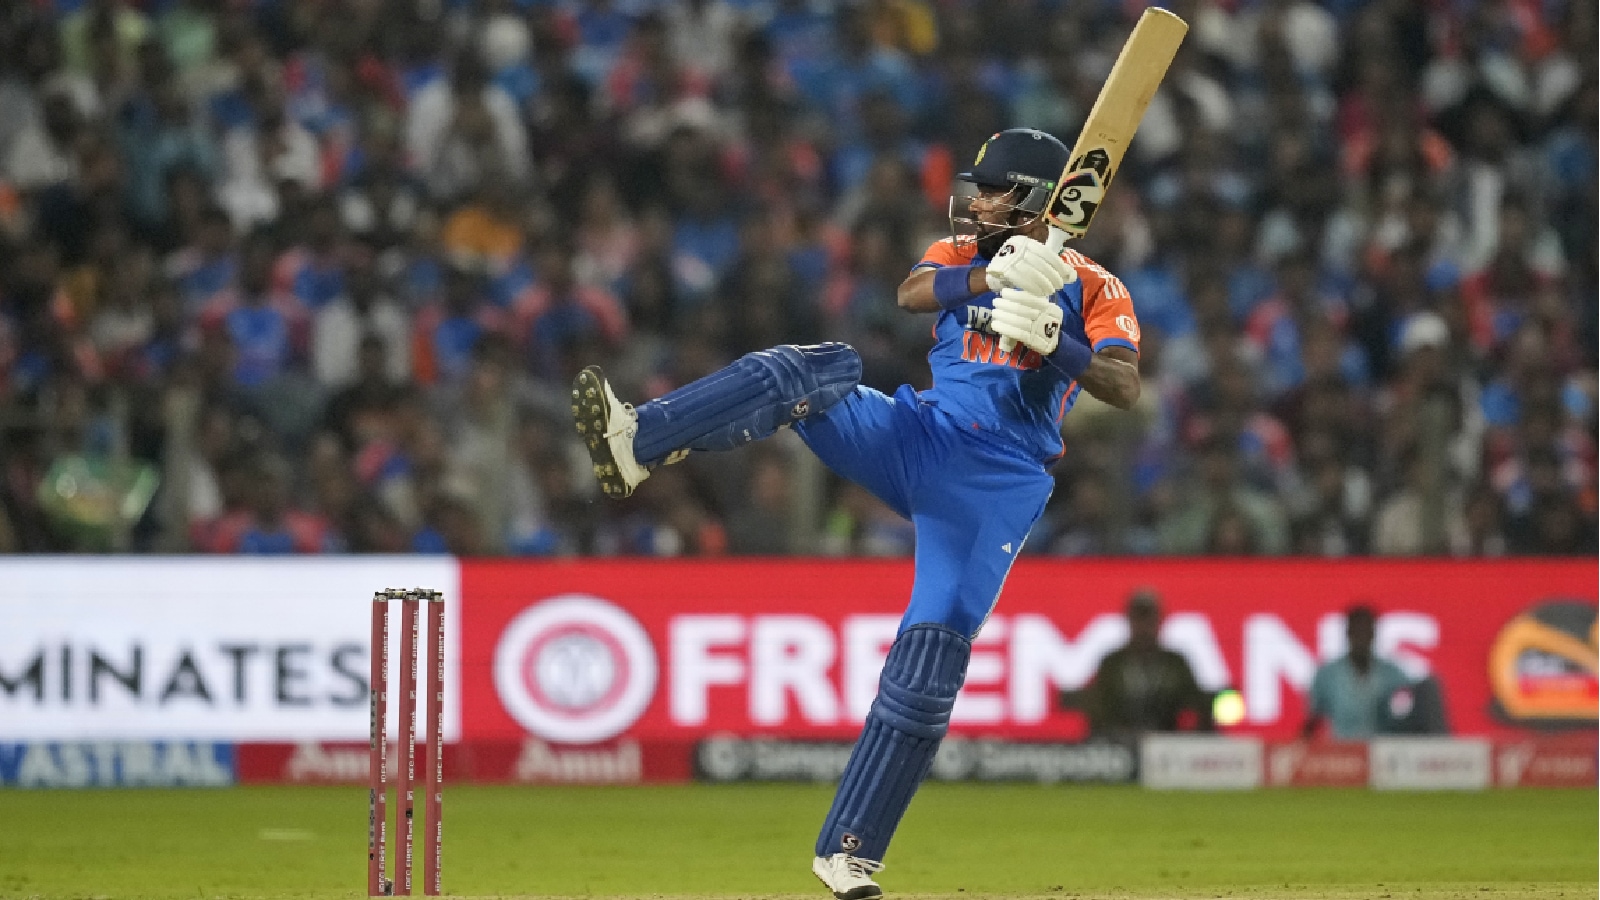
324, 268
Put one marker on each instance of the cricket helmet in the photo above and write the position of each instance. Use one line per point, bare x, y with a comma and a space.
1019, 157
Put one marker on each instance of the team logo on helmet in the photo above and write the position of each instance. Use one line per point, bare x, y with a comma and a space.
982, 150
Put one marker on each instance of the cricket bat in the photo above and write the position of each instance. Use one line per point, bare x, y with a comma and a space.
1111, 124
1110, 127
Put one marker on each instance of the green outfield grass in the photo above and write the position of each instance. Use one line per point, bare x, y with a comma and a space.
958, 841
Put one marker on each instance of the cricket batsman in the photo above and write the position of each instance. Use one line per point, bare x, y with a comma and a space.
967, 461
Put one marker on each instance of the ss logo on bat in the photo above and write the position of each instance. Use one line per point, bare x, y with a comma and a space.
1079, 198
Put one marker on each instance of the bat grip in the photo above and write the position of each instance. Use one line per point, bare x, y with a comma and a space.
1053, 243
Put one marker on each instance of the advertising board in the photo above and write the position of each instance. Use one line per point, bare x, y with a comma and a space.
225, 649
584, 652
588, 653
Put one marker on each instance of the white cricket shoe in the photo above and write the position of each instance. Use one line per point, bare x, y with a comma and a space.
848, 877
607, 426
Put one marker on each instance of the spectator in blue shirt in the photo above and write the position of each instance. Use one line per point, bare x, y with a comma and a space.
263, 324
1352, 693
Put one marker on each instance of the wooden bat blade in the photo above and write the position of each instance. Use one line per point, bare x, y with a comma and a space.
1114, 119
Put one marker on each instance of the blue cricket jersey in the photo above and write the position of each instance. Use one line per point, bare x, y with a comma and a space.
1018, 398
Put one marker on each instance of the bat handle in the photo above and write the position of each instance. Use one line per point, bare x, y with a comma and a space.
1053, 243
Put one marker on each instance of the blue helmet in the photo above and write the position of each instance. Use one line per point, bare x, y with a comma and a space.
1020, 157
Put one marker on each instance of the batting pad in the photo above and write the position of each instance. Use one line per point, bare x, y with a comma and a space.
747, 400
916, 692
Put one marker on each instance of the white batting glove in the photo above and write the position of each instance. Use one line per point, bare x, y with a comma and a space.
1027, 265
1028, 319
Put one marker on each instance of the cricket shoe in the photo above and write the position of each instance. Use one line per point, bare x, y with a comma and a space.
607, 426
848, 877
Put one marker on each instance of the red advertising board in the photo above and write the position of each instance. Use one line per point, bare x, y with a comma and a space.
1317, 764
590, 652
1185, 761
526, 761
1568, 761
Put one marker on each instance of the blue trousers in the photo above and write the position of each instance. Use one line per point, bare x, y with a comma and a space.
971, 500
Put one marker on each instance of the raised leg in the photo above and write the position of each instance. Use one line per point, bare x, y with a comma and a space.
746, 401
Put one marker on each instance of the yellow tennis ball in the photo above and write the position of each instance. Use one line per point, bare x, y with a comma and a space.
1228, 707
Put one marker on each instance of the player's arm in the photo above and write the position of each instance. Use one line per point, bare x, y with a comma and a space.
942, 281
1110, 375
1113, 377
917, 291
1112, 372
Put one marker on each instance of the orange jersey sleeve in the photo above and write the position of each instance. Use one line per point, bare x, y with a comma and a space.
1108, 318
944, 252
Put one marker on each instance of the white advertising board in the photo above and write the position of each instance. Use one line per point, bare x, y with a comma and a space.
1200, 762
1431, 763
229, 649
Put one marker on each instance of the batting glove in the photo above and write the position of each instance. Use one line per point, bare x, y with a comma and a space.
1027, 319
1027, 265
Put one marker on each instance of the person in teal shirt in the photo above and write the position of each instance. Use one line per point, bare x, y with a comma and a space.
1352, 693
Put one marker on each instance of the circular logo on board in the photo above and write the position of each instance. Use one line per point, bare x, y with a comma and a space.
575, 669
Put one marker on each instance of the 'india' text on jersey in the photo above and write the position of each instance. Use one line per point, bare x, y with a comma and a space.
1018, 397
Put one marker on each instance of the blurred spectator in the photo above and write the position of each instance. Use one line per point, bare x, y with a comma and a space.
446, 332
1424, 516
313, 263
44, 152
463, 129
551, 489
342, 328
1352, 694
1088, 527
563, 321
1331, 508
264, 325
100, 28
860, 524
450, 526
1221, 508
360, 411
266, 522
675, 521
1142, 686
763, 528
267, 160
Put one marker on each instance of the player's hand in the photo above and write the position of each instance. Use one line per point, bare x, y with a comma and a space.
1028, 319
1027, 265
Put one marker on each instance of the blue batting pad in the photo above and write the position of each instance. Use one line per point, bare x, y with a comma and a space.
746, 401
916, 692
